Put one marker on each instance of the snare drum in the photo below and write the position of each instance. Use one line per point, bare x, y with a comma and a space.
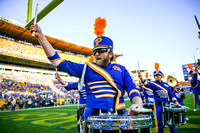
175, 116
119, 124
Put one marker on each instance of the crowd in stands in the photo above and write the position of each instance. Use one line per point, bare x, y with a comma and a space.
20, 90
25, 50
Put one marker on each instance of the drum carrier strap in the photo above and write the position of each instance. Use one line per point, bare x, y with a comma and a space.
81, 122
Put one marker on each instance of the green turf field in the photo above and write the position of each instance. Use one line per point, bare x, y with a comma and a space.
62, 119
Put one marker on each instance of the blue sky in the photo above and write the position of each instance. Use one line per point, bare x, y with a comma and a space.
150, 31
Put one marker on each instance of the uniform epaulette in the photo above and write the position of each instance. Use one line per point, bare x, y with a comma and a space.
114, 62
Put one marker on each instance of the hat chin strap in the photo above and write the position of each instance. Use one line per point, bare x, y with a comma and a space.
106, 54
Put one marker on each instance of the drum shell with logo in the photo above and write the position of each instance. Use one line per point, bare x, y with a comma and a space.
119, 124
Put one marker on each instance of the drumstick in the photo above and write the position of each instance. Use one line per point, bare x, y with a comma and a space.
197, 21
185, 107
138, 66
35, 19
142, 110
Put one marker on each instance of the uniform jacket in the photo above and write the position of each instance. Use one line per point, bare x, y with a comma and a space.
161, 90
106, 85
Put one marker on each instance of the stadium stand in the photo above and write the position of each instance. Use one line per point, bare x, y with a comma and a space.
30, 52
26, 76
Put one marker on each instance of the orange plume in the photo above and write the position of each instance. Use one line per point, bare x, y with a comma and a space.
146, 75
99, 26
189, 66
181, 82
156, 66
91, 58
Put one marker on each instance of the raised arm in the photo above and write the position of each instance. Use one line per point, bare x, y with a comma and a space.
145, 82
140, 77
48, 49
57, 76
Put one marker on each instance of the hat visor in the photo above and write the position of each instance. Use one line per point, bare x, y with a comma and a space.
100, 46
157, 74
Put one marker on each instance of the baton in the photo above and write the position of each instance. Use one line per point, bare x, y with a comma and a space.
35, 19
197, 22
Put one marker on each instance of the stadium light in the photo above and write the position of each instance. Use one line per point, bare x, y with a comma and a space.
53, 4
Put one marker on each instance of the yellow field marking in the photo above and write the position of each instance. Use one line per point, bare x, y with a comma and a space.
69, 126
44, 122
188, 125
26, 117
193, 116
14, 116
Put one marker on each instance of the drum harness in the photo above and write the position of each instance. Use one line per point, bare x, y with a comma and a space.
80, 86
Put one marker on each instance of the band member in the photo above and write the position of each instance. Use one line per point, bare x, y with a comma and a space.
106, 82
179, 93
148, 96
162, 95
82, 99
195, 85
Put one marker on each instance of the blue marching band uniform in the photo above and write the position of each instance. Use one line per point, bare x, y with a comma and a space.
105, 85
179, 94
195, 86
148, 97
162, 95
